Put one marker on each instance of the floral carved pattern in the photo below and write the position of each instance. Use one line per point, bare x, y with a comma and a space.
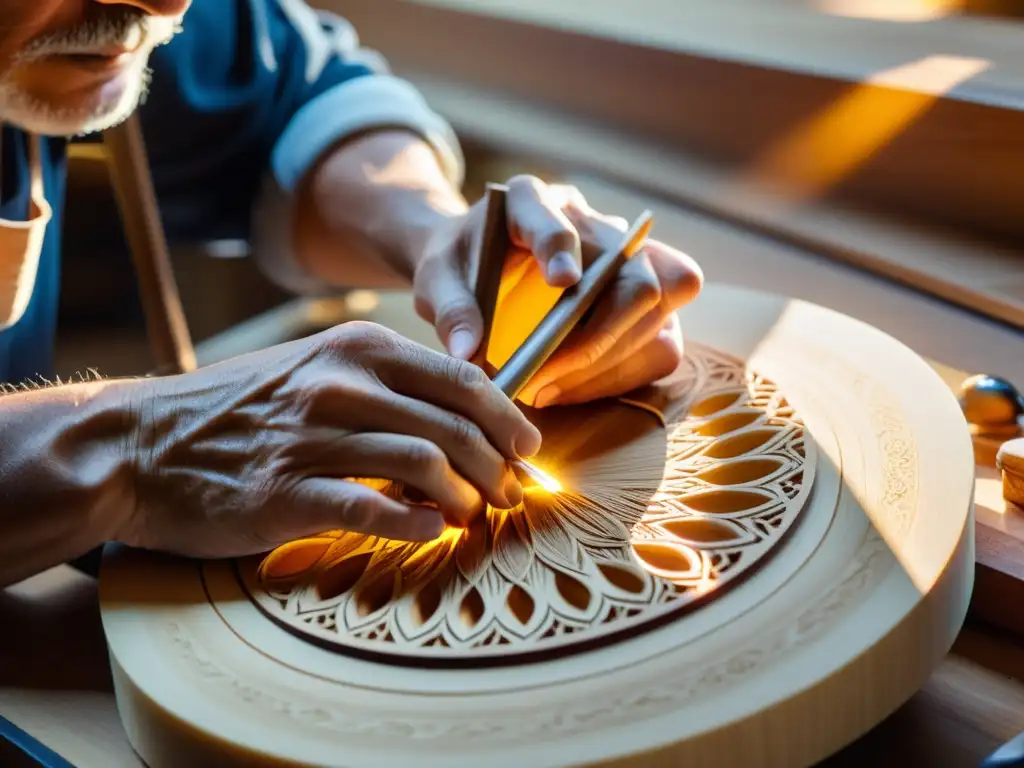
659, 515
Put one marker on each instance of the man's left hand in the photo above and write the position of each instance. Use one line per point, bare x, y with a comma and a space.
632, 337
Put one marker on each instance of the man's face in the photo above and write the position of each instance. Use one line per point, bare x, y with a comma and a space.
70, 67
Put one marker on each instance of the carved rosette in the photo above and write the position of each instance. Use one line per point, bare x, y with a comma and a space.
663, 515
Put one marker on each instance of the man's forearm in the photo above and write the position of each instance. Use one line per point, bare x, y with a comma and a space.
65, 484
367, 210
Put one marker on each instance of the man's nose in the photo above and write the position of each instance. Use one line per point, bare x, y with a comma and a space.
153, 7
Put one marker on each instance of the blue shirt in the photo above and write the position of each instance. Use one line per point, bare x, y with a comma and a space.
242, 102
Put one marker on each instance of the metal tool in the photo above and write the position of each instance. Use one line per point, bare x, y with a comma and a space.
571, 307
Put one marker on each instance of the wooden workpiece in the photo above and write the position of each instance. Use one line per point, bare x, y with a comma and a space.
832, 626
55, 679
670, 497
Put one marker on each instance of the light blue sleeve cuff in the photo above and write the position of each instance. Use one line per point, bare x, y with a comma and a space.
357, 105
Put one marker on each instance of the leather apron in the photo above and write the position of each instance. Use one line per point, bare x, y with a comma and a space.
21, 243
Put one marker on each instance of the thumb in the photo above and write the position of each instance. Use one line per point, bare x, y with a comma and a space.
444, 299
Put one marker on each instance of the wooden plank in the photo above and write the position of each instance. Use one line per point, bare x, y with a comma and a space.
998, 580
845, 39
999, 554
979, 275
893, 132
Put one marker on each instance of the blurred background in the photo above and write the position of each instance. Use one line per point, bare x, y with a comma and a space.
884, 134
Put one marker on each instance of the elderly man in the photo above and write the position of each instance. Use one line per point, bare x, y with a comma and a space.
265, 120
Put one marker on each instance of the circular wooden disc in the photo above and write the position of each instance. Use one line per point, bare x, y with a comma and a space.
670, 497
824, 639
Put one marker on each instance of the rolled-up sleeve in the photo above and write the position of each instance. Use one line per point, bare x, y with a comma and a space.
247, 99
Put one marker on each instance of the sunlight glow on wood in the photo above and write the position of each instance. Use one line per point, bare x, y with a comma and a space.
892, 10
834, 143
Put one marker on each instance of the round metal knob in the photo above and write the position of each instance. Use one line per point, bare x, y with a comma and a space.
992, 405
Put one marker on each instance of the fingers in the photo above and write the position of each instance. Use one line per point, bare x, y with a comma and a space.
630, 298
631, 350
679, 275
656, 359
444, 299
416, 463
461, 441
403, 388
320, 503
374, 409
462, 388
538, 223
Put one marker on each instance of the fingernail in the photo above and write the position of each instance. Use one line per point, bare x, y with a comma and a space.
562, 269
528, 443
513, 491
546, 396
460, 344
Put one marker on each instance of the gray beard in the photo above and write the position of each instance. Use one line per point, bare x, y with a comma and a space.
36, 116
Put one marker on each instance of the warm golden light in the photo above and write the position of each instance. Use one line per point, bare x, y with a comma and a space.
892, 10
362, 302
544, 480
833, 144
450, 533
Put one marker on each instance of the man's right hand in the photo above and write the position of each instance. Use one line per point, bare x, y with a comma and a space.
241, 456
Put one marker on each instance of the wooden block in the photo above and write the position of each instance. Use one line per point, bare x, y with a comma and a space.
1010, 461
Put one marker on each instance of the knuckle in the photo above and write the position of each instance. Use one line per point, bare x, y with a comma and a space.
316, 396
598, 231
359, 338
647, 292
465, 434
424, 308
688, 286
568, 197
525, 182
668, 354
358, 508
465, 375
574, 195
341, 396
555, 238
603, 343
680, 274
456, 312
426, 457
596, 348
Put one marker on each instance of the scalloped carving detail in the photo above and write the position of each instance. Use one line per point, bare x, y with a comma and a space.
657, 523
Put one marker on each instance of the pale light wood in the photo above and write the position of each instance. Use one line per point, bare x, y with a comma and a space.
973, 702
795, 35
54, 671
671, 497
783, 669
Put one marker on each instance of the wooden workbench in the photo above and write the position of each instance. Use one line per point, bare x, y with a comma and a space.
54, 675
